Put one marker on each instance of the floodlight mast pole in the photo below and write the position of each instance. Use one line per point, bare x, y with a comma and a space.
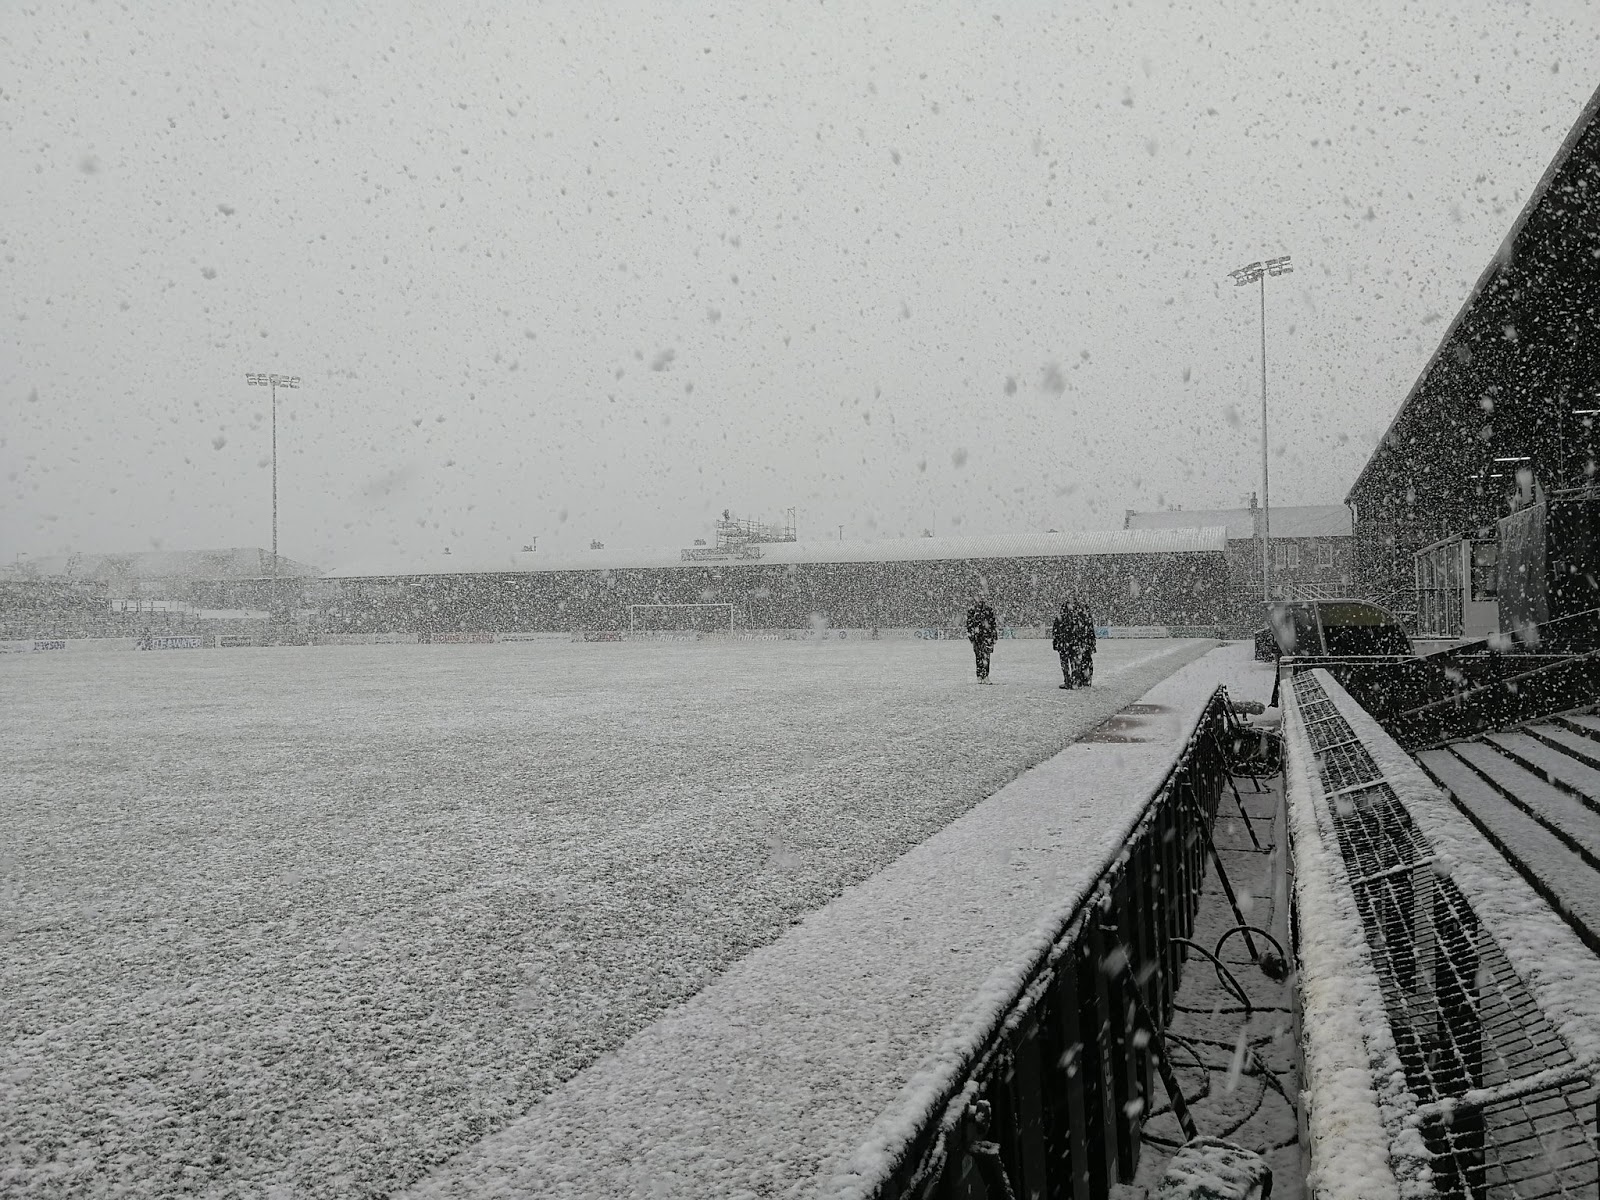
1257, 272
274, 386
258, 379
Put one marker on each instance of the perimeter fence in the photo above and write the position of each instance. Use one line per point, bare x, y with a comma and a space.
1052, 1100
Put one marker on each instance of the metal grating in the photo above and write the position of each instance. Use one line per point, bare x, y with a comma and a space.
1344, 764
1379, 836
1463, 1019
1525, 1147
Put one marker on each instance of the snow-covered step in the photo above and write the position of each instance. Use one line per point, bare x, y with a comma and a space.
1550, 805
1586, 750
1560, 769
1587, 724
1565, 881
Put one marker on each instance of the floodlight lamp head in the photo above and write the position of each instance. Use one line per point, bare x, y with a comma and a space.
1248, 273
1279, 266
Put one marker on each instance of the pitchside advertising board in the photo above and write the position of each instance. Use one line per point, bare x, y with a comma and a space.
1043, 631
239, 640
174, 642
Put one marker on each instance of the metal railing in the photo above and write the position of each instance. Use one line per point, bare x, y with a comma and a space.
1478, 686
1052, 1101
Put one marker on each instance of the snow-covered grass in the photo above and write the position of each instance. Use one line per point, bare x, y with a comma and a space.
310, 921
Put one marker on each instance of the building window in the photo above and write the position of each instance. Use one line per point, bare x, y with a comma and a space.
1485, 570
1285, 554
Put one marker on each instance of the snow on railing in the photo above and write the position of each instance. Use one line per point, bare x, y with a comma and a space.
1041, 1085
1345, 1042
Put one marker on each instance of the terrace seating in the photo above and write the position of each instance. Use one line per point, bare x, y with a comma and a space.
1534, 791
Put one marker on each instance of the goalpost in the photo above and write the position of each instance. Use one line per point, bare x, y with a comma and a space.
647, 619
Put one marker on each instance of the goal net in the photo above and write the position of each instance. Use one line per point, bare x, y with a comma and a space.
646, 619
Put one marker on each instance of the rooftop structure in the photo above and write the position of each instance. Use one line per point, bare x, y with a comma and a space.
1307, 520
1016, 545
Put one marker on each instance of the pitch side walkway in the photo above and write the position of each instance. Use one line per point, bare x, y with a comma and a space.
770, 1079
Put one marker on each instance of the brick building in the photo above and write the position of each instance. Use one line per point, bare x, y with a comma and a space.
1311, 546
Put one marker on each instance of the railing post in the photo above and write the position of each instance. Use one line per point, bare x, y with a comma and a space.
1099, 1024
1028, 1155
1183, 873
1129, 1061
1144, 965
1075, 1065
1198, 839
1165, 883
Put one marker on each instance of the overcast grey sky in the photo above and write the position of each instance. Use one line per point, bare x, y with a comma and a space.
600, 270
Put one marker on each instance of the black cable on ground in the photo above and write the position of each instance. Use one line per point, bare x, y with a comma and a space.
1269, 1080
1276, 969
1231, 983
1232, 1008
1248, 1116
1244, 1057
1253, 1064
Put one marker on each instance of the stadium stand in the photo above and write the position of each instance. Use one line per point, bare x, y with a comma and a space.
224, 592
1174, 578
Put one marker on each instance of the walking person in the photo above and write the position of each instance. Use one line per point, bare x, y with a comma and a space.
1086, 645
982, 631
1064, 640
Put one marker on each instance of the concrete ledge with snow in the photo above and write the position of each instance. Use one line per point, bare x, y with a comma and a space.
778, 1076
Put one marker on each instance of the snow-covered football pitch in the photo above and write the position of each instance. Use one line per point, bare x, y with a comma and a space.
308, 922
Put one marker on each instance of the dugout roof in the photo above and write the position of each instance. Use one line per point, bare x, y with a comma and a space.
960, 549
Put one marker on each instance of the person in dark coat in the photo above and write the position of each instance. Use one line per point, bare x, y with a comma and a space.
982, 631
1086, 645
1064, 640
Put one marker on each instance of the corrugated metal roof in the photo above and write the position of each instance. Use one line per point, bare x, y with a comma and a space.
1510, 252
1018, 545
1289, 521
